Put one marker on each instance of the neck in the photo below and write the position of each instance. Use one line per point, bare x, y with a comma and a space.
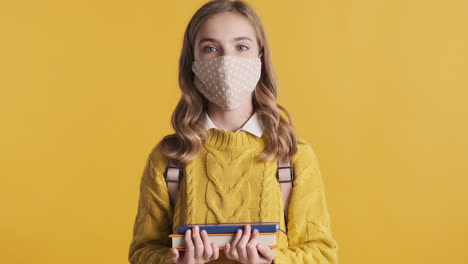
230, 120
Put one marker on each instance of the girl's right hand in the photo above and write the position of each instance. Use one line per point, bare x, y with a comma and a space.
198, 249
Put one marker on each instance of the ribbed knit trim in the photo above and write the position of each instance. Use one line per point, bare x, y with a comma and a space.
219, 138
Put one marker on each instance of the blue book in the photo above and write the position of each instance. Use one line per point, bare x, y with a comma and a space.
231, 228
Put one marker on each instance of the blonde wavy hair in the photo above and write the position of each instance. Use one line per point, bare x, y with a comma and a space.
188, 117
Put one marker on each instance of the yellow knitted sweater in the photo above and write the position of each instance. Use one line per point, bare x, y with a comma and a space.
225, 184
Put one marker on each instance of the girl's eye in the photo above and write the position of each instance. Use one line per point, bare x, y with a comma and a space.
209, 49
246, 48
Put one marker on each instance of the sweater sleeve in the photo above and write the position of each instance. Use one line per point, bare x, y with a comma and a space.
153, 221
309, 232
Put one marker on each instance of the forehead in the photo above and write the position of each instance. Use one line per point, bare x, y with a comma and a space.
225, 27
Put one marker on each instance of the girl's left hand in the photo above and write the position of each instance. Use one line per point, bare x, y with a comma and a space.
244, 248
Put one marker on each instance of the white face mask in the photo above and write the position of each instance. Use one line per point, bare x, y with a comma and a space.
227, 80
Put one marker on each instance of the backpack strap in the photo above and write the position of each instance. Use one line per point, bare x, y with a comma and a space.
174, 174
285, 176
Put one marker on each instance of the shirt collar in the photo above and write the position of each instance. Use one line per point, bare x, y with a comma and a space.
252, 125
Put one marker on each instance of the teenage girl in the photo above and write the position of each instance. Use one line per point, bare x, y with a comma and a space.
229, 136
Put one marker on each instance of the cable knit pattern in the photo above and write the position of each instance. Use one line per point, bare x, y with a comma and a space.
225, 184
228, 177
270, 186
190, 186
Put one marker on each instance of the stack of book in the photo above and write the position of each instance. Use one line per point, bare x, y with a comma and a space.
223, 233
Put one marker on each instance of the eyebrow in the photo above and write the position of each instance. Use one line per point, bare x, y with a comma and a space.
214, 40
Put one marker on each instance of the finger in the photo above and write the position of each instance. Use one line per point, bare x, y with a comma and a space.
252, 252
215, 251
233, 245
242, 251
197, 241
267, 252
236, 239
208, 251
189, 247
226, 251
174, 255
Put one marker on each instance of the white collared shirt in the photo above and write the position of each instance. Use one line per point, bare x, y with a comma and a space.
252, 125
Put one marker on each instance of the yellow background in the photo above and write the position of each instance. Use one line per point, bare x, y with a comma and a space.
379, 88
